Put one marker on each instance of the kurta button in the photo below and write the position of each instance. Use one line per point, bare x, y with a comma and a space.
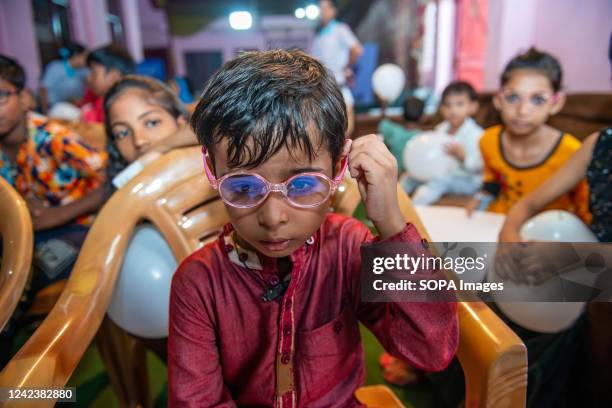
287, 331
273, 280
337, 327
229, 248
243, 257
285, 359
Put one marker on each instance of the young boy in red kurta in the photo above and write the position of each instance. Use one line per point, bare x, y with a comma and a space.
268, 314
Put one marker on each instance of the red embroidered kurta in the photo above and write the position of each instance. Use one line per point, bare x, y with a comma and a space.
227, 347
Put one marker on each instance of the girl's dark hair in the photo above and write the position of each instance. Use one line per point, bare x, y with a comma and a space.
536, 60
153, 91
276, 99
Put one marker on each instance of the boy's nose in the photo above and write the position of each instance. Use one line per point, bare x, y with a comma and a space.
273, 212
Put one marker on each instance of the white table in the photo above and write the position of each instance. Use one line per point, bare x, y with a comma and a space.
451, 224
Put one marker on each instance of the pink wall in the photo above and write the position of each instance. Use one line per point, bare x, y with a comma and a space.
575, 31
18, 39
130, 16
203, 41
578, 33
89, 25
510, 30
153, 25
268, 31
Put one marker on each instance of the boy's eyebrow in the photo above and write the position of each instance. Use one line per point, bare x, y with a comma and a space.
291, 172
306, 170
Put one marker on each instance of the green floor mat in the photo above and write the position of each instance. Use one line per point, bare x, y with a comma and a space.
418, 397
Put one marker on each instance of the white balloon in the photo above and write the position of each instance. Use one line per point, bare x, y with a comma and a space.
546, 317
425, 158
64, 111
142, 292
556, 225
388, 82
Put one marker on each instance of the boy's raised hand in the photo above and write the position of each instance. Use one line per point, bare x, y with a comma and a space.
375, 170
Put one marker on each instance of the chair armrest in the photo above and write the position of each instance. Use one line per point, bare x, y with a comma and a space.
493, 358
52, 353
16, 233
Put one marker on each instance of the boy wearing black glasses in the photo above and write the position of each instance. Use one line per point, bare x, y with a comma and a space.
58, 175
268, 314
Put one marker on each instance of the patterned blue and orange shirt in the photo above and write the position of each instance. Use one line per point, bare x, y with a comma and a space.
53, 164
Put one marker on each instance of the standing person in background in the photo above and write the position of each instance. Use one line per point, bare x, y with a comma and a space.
64, 78
337, 48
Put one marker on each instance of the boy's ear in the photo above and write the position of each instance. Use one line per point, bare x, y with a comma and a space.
346, 149
558, 103
210, 165
24, 99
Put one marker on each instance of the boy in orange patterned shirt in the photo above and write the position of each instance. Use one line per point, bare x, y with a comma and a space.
59, 176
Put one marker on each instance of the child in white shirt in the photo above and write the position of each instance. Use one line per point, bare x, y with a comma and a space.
459, 103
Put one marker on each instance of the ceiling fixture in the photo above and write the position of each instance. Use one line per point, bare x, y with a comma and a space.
312, 12
241, 20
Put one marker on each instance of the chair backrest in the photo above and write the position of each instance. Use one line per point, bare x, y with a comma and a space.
163, 194
492, 356
16, 236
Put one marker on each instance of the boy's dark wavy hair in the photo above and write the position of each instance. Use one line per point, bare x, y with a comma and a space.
536, 60
11, 71
112, 57
261, 102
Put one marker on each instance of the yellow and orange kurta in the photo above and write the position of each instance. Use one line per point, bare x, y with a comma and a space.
509, 183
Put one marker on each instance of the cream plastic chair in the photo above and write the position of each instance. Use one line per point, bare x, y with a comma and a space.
173, 194
17, 235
